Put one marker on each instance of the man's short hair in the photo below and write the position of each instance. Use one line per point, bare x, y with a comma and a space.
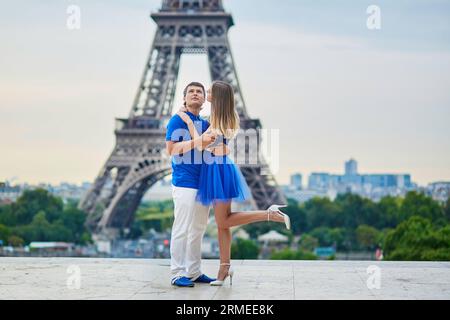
193, 84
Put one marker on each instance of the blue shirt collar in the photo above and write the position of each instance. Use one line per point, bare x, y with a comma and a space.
193, 116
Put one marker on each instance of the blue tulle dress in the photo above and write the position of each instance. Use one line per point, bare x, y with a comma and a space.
221, 180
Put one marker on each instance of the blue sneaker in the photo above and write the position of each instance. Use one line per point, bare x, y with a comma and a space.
204, 279
182, 282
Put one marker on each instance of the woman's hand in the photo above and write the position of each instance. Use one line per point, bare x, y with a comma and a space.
183, 109
185, 117
219, 150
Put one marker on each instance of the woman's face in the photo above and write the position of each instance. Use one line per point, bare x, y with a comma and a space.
209, 95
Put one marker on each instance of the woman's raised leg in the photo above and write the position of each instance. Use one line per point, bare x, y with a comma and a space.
226, 219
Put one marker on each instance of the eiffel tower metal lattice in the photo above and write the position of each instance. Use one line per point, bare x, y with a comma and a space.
139, 159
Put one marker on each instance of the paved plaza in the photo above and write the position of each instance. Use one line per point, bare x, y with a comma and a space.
149, 279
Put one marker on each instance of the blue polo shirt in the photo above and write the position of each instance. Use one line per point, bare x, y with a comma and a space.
186, 167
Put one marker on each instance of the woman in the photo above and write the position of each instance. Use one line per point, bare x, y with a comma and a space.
221, 181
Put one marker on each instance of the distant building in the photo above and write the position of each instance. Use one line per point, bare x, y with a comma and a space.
296, 181
51, 247
305, 194
351, 168
64, 190
373, 186
9, 193
439, 191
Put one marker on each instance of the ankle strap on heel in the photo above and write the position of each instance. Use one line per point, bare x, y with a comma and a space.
225, 264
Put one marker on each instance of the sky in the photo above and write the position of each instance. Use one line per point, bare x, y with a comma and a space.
311, 69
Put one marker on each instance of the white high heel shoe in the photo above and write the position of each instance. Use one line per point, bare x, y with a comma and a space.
276, 208
221, 282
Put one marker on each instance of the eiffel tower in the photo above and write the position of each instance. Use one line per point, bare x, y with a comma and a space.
139, 159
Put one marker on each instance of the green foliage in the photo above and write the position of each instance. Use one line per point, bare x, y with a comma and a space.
308, 242
33, 201
411, 228
367, 236
16, 241
39, 216
329, 237
356, 211
288, 254
7, 217
390, 208
244, 249
156, 215
418, 204
447, 210
322, 212
40, 229
351, 222
297, 215
417, 239
5, 232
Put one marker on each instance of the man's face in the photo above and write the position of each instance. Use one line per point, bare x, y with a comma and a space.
194, 97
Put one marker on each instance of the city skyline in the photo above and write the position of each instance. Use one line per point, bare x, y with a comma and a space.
379, 96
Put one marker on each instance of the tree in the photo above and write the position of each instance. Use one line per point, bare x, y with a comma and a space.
33, 201
308, 242
5, 232
73, 219
15, 241
288, 254
390, 208
367, 236
322, 212
447, 210
417, 239
329, 237
297, 215
40, 229
418, 204
7, 217
244, 249
357, 210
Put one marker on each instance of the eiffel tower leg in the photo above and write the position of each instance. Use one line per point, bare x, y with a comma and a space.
120, 213
222, 68
137, 162
157, 89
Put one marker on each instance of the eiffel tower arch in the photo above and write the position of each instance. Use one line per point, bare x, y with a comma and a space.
138, 159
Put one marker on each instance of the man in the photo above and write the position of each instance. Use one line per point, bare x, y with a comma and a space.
191, 217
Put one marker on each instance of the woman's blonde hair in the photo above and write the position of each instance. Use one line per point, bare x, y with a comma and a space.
224, 117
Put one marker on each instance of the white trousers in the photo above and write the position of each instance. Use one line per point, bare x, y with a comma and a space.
189, 226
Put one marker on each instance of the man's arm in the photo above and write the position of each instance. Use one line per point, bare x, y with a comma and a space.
180, 148
176, 132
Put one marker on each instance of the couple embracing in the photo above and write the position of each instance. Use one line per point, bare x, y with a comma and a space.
203, 176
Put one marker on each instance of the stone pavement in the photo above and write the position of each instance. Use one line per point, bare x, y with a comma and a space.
92, 278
